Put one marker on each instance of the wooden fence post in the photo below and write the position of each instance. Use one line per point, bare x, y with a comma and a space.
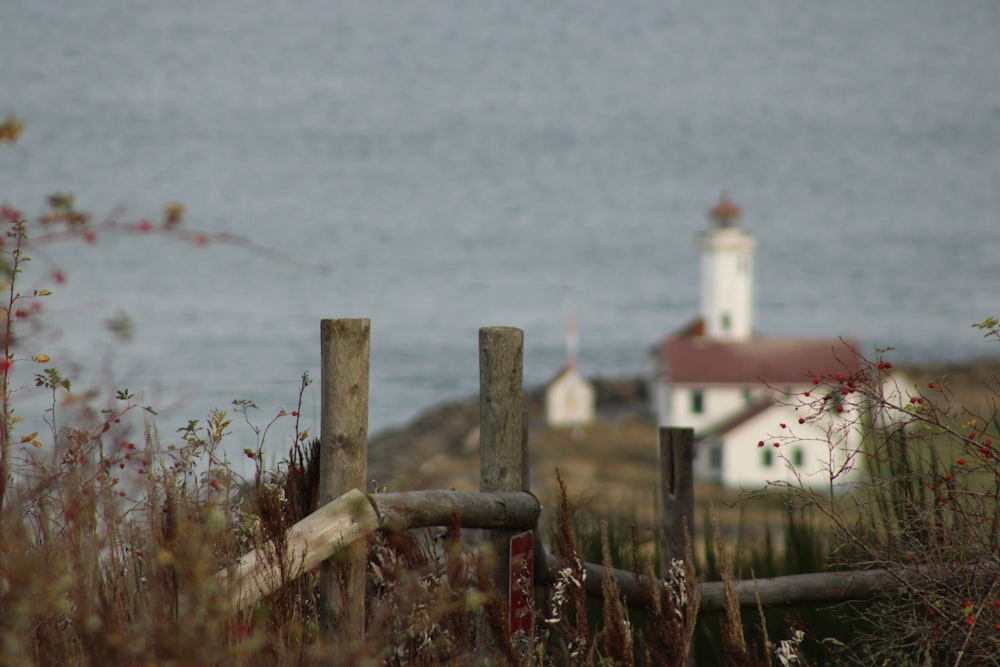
501, 434
501, 410
676, 492
345, 349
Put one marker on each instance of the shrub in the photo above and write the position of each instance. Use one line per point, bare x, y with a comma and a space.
926, 510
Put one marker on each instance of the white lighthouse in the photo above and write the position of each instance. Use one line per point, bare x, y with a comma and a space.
726, 275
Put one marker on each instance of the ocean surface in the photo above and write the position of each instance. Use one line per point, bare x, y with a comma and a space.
457, 164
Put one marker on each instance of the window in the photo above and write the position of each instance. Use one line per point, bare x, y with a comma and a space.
697, 401
767, 458
715, 458
727, 322
797, 457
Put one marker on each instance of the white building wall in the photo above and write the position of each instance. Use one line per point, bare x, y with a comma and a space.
719, 402
895, 411
744, 464
659, 396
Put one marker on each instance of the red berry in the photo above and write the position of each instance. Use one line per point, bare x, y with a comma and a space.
815, 380
840, 376
760, 444
930, 385
776, 445
784, 425
961, 462
295, 413
807, 394
931, 613
801, 420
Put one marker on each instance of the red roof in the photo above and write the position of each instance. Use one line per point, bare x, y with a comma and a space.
725, 211
694, 359
738, 419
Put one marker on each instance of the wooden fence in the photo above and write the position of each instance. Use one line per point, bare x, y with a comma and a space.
504, 505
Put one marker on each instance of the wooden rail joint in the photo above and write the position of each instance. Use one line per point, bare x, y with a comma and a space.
355, 516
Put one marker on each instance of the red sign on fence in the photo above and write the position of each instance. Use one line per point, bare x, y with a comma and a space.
522, 582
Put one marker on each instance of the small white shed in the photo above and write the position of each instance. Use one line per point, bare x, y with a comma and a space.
570, 399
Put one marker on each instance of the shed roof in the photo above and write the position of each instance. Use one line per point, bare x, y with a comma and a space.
565, 371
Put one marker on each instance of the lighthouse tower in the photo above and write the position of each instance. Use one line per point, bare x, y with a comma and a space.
726, 275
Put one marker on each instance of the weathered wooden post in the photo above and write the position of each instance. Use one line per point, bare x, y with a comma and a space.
345, 349
676, 492
676, 499
502, 463
501, 411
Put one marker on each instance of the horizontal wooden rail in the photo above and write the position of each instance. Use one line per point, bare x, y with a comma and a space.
418, 509
354, 515
788, 591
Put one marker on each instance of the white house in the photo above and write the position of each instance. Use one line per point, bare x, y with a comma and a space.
779, 442
570, 399
717, 376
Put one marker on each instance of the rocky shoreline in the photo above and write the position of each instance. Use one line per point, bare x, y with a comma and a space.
452, 428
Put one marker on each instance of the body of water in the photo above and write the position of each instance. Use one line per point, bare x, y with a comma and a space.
464, 164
